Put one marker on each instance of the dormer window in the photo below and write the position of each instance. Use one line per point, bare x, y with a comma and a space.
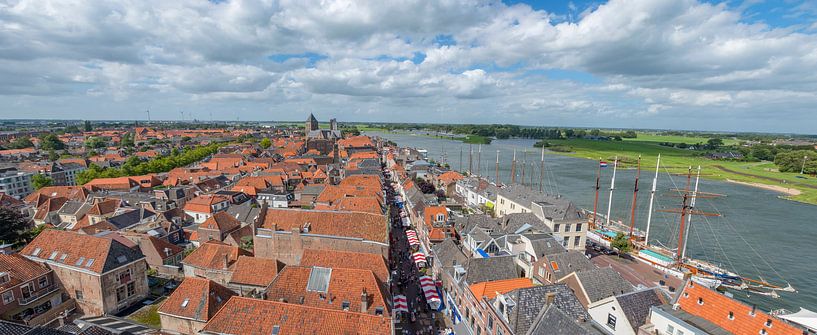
4, 278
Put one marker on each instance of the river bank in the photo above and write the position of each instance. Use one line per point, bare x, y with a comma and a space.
785, 190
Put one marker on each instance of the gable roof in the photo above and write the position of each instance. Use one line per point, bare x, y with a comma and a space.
367, 226
603, 283
636, 305
19, 270
79, 251
211, 255
196, 298
245, 316
564, 263
490, 289
221, 221
204, 203
347, 259
553, 321
489, 269
530, 301
342, 286
255, 271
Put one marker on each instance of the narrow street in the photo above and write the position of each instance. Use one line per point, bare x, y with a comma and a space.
405, 277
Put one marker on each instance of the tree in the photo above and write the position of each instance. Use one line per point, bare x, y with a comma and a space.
793, 161
51, 142
40, 180
622, 243
265, 143
88, 125
21, 143
126, 141
53, 155
72, 129
13, 226
95, 143
714, 143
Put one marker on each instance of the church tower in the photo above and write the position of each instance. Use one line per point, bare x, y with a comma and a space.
311, 123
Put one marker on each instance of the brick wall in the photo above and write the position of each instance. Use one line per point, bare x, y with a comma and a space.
180, 325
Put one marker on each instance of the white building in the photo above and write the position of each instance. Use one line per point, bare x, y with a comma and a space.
15, 183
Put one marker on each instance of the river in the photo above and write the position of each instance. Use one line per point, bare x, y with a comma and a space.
758, 235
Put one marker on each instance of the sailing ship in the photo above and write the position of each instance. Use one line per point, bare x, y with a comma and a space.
674, 261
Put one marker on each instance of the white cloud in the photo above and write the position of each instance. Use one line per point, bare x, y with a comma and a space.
655, 59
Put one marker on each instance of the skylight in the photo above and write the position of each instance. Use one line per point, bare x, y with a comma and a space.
89, 263
53, 255
79, 261
319, 279
185, 302
36, 252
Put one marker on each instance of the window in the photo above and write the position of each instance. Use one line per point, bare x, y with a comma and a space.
121, 293
541, 271
378, 311
79, 261
53, 255
345, 305
763, 332
680, 332
567, 227
4, 278
578, 227
36, 252
670, 329
577, 240
63, 257
125, 276
731, 315
43, 282
78, 294
700, 301
132, 289
565, 241
611, 321
768, 322
8, 297
556, 227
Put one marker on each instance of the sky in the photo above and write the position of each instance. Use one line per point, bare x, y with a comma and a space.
746, 65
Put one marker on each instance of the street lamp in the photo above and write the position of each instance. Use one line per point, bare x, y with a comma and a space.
803, 167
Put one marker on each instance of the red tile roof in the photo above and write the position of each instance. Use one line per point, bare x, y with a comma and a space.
345, 286
210, 255
204, 203
346, 259
71, 192
715, 307
490, 289
245, 316
20, 270
196, 298
366, 226
81, 251
222, 222
255, 271
431, 213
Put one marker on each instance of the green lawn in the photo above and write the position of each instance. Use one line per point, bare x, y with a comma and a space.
678, 160
148, 315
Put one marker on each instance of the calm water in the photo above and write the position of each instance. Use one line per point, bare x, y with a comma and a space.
758, 235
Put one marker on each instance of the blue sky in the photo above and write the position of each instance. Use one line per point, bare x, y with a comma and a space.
691, 64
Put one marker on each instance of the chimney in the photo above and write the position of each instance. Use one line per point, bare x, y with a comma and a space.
364, 301
226, 261
550, 297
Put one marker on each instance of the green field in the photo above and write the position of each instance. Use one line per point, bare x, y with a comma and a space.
653, 137
678, 160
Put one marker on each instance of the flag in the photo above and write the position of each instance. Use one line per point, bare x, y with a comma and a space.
603, 164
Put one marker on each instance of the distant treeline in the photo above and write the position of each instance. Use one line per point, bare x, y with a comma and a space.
505, 131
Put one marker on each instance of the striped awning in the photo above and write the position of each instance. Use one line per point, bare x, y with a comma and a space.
412, 237
429, 290
419, 258
400, 303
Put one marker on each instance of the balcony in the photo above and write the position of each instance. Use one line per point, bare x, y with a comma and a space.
37, 295
52, 314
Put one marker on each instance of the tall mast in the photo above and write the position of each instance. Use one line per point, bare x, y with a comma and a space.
652, 199
596, 202
470, 161
513, 168
635, 197
612, 188
461, 159
531, 175
684, 209
691, 208
497, 169
524, 163
542, 168
479, 158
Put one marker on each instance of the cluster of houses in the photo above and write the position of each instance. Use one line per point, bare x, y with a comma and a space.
511, 260
295, 238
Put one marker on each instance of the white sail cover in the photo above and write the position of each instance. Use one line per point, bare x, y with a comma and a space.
804, 318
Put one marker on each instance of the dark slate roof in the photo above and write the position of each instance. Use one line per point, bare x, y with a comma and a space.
480, 270
130, 218
518, 223
448, 253
117, 252
603, 283
71, 207
552, 321
636, 305
466, 224
9, 328
569, 262
245, 212
554, 207
530, 302
546, 245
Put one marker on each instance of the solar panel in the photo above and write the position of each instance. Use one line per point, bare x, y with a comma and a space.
319, 279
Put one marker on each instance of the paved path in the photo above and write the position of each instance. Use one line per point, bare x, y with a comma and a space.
635, 272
